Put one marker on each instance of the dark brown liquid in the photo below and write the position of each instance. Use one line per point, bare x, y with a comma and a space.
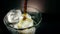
25, 6
25, 9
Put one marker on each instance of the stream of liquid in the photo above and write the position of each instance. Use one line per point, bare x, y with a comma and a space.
25, 9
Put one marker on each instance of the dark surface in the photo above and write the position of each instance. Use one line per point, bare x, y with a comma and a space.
49, 24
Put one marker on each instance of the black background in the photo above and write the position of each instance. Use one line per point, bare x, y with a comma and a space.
49, 24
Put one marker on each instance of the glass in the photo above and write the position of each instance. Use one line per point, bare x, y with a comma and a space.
12, 18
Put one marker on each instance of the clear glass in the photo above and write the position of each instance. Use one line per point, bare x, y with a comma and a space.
15, 13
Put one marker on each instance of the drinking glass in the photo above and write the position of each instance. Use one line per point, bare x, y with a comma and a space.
12, 18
